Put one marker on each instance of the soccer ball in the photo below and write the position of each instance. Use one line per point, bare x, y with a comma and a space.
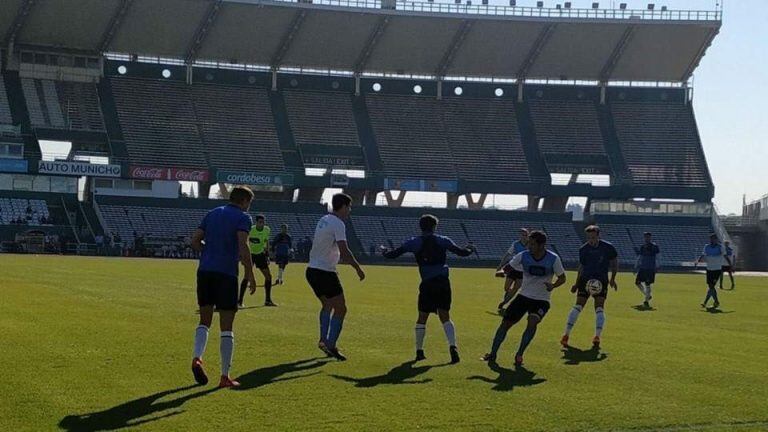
594, 286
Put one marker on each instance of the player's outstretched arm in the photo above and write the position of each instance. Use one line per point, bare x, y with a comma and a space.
558, 282
574, 288
504, 261
392, 253
462, 252
349, 258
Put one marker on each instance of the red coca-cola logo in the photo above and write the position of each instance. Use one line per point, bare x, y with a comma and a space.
148, 173
190, 175
178, 174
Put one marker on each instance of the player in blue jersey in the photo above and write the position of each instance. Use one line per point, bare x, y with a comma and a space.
513, 277
538, 266
282, 247
435, 289
728, 268
596, 258
715, 258
646, 266
222, 240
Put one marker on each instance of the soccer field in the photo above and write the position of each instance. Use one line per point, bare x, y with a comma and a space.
101, 344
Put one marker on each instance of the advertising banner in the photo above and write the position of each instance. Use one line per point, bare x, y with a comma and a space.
74, 168
175, 174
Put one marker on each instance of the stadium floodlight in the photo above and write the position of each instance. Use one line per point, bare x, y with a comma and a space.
651, 6
567, 5
485, 2
623, 6
539, 4
663, 8
513, 3
595, 5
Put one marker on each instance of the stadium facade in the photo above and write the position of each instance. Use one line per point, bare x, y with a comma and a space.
367, 96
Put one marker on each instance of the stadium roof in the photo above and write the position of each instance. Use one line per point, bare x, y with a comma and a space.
429, 39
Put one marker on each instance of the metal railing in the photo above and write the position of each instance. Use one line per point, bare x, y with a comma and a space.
527, 11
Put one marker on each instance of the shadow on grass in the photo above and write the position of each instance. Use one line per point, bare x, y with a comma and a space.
716, 310
272, 374
574, 356
131, 413
643, 308
508, 379
401, 374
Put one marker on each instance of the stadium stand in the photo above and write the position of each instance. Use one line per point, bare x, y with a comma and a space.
239, 118
161, 133
5, 109
32, 212
324, 118
660, 142
412, 126
80, 105
484, 139
566, 127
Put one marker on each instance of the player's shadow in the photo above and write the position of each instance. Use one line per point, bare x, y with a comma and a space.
508, 379
716, 310
277, 373
643, 308
401, 374
574, 356
132, 413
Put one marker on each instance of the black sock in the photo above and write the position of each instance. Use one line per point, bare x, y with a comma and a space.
268, 290
243, 286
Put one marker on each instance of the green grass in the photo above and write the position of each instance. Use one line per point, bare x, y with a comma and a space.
100, 344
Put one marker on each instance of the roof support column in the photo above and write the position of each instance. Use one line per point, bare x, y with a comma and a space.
439, 89
189, 73
18, 24
603, 87
285, 44
370, 44
357, 84
618, 50
536, 49
274, 79
114, 25
202, 31
520, 84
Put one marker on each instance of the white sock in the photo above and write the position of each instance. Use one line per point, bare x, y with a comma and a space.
227, 350
647, 292
279, 274
201, 339
599, 321
573, 316
450, 332
641, 288
421, 331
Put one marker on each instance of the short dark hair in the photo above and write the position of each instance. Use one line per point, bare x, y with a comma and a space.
647, 233
592, 228
240, 194
428, 222
260, 217
537, 237
713, 235
283, 226
525, 230
340, 200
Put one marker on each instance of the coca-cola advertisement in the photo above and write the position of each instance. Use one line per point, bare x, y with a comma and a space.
176, 174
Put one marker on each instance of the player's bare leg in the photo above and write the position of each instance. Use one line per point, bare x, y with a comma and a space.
267, 287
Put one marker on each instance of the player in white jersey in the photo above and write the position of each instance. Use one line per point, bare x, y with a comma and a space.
715, 256
328, 247
538, 266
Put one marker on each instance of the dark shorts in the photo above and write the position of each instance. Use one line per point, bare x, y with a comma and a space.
260, 261
727, 269
581, 286
435, 294
282, 260
713, 276
522, 305
217, 289
645, 276
324, 283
